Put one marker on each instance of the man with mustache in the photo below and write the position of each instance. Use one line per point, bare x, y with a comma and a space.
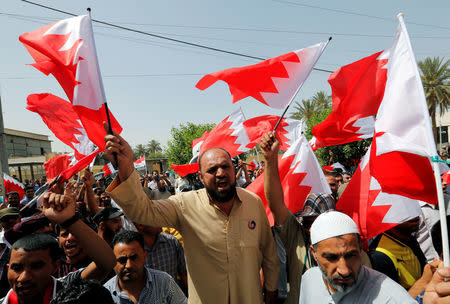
35, 257
134, 283
340, 276
226, 232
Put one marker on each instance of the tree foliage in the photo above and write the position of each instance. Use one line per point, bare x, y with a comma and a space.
436, 83
179, 147
152, 149
319, 107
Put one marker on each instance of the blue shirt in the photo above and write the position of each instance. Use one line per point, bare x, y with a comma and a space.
167, 255
159, 288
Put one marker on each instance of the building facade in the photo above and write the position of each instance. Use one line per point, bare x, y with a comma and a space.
27, 153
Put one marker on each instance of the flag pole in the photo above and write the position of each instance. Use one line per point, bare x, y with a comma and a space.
437, 175
298, 89
108, 118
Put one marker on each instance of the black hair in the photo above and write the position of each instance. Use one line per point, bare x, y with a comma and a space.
201, 156
81, 291
28, 187
39, 241
436, 236
126, 237
335, 174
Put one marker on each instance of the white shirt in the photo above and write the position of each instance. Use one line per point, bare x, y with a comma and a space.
371, 287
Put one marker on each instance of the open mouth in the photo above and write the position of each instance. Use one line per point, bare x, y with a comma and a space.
71, 249
24, 290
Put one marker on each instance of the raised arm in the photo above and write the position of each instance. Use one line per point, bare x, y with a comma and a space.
60, 209
272, 184
88, 181
126, 190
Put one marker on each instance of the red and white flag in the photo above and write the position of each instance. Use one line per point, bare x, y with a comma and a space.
63, 121
287, 131
12, 184
274, 81
229, 134
357, 91
300, 174
108, 169
330, 168
66, 49
396, 172
196, 145
403, 126
372, 209
57, 164
140, 164
78, 165
183, 170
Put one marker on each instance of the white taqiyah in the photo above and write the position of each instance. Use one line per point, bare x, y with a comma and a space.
331, 224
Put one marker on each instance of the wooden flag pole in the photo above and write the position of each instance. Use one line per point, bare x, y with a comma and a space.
298, 89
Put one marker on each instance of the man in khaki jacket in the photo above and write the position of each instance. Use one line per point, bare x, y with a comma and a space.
225, 229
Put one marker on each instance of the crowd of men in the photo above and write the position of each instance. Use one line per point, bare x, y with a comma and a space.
206, 239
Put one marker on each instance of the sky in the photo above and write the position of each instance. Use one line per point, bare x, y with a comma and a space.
150, 82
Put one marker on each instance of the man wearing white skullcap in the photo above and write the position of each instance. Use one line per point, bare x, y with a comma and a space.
340, 276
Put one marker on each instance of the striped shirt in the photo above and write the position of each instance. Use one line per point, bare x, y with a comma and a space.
166, 255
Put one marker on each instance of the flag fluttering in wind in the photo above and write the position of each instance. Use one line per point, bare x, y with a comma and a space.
357, 91
140, 164
300, 174
274, 81
372, 209
63, 121
287, 131
12, 184
396, 172
66, 49
183, 170
57, 164
229, 134
108, 169
196, 145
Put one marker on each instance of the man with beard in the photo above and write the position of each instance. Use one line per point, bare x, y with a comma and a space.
340, 277
227, 237
108, 222
135, 283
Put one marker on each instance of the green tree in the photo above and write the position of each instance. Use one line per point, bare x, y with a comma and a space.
304, 110
322, 100
179, 147
139, 151
153, 147
435, 80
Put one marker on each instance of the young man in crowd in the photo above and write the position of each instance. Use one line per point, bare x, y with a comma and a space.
108, 222
29, 194
227, 237
135, 283
34, 258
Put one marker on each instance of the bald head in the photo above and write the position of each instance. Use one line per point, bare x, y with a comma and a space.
212, 153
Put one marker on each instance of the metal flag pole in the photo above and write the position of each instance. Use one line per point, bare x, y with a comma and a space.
298, 89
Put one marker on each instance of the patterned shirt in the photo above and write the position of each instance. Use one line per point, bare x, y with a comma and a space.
167, 255
160, 288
